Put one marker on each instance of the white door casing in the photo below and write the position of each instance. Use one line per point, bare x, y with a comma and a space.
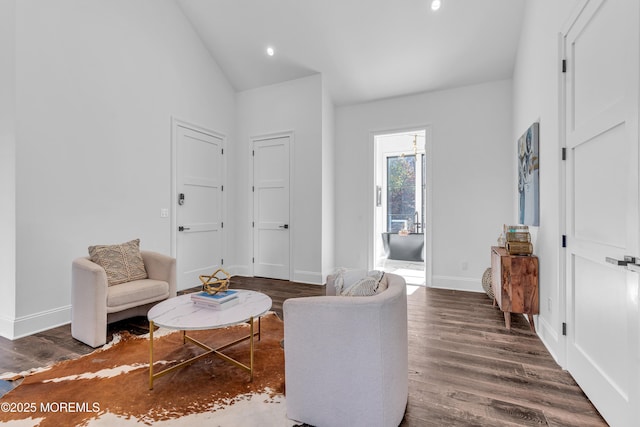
376, 219
198, 202
271, 208
601, 121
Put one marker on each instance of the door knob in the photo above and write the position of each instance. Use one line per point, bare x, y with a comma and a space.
286, 226
181, 228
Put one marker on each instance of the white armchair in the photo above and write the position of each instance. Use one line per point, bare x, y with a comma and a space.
95, 304
346, 358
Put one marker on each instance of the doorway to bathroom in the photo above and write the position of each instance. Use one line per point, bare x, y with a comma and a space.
401, 232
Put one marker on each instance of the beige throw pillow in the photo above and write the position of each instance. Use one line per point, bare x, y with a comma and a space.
123, 263
384, 284
344, 278
373, 283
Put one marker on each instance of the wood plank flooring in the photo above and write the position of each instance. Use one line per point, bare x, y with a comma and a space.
465, 368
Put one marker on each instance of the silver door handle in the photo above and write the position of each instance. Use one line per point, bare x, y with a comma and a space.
629, 262
616, 261
628, 259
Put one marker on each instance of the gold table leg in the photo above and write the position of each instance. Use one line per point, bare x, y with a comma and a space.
208, 350
151, 327
251, 348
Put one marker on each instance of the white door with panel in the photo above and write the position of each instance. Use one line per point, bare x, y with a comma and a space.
271, 228
601, 93
199, 171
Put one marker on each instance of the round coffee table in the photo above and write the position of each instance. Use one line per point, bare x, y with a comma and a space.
182, 314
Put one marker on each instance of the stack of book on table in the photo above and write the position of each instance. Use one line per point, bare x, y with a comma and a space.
217, 301
518, 240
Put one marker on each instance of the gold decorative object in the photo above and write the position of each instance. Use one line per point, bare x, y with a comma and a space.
213, 284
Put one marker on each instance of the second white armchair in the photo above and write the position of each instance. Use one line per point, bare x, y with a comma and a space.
95, 303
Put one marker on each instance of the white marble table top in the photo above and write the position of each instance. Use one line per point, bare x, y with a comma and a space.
182, 314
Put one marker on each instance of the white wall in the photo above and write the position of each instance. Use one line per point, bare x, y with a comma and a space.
7, 166
536, 85
97, 85
328, 184
473, 169
294, 106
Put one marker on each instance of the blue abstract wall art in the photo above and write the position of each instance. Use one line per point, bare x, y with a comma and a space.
529, 176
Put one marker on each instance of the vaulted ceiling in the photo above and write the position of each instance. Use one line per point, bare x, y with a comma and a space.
365, 49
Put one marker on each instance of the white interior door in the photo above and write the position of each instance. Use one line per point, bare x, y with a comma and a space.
199, 169
602, 206
271, 227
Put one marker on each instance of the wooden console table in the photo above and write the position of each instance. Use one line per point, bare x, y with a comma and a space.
514, 281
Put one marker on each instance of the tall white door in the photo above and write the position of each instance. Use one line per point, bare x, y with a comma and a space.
271, 227
198, 204
602, 206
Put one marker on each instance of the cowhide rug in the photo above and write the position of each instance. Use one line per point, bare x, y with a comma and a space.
110, 387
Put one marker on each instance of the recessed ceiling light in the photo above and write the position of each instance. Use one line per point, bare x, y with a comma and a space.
270, 51
435, 4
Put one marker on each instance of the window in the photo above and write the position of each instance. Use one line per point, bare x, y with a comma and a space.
405, 183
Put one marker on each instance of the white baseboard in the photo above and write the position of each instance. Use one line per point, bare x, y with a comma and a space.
6, 327
239, 270
33, 323
311, 277
549, 338
301, 276
457, 283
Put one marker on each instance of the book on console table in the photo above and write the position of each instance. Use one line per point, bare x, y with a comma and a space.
518, 236
518, 240
519, 228
519, 248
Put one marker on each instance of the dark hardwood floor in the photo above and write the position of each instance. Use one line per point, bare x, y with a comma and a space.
465, 368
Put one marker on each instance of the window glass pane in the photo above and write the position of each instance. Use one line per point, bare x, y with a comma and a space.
401, 192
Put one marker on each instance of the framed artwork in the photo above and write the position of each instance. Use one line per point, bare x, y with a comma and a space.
529, 176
